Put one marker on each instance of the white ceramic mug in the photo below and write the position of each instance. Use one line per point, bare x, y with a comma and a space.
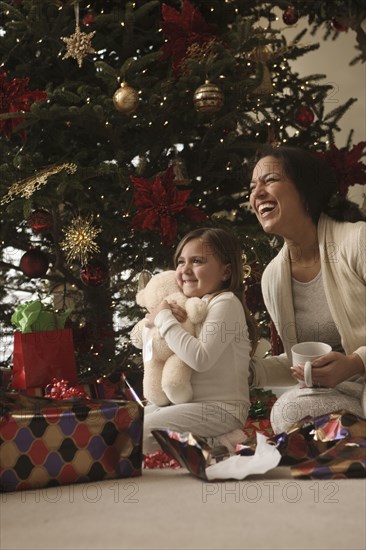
304, 353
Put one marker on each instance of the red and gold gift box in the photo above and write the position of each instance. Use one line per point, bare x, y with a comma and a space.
46, 442
251, 427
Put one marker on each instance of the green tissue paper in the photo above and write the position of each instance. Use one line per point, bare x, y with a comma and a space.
35, 316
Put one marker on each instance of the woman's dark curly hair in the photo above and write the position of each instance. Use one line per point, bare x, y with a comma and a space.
316, 181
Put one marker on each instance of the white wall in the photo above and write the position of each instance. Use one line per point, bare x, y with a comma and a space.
332, 59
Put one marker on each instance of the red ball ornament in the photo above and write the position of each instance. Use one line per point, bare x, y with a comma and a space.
89, 18
34, 263
94, 273
304, 116
40, 221
337, 26
290, 16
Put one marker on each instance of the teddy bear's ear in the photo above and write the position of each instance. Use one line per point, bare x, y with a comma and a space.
144, 278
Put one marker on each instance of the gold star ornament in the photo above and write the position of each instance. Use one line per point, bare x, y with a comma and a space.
78, 45
79, 240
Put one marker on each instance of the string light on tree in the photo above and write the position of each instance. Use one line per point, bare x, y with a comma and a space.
79, 239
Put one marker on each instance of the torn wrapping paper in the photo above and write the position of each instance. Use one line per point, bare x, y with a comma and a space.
192, 452
310, 437
207, 463
331, 446
347, 459
265, 458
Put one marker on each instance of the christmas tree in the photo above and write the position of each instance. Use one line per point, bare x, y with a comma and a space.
125, 124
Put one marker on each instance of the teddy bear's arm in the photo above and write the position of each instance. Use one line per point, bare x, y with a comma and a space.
196, 310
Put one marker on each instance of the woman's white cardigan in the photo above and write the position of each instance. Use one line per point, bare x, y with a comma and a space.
343, 263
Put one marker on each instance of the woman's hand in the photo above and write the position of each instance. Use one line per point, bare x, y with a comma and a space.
331, 369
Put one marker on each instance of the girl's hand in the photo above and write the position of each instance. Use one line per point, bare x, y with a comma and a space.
331, 369
179, 312
150, 317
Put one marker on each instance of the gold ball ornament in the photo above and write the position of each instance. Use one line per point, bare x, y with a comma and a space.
126, 99
208, 98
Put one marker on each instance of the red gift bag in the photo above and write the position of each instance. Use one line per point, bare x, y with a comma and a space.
39, 357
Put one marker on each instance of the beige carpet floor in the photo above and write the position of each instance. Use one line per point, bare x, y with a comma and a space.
171, 509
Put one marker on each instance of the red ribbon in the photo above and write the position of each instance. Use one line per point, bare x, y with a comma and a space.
61, 389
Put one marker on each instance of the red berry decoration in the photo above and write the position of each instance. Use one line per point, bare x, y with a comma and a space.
34, 263
304, 116
290, 16
40, 221
94, 273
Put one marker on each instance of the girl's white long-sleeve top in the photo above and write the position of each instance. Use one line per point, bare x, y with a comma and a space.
219, 355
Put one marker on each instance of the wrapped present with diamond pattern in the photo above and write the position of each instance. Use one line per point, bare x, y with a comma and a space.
45, 442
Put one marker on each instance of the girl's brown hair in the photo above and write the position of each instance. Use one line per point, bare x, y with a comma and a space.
226, 247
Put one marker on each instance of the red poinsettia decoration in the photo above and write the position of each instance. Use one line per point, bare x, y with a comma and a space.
159, 202
182, 29
15, 98
350, 169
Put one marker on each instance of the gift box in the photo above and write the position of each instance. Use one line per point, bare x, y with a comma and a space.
43, 348
62, 389
251, 427
5, 377
39, 357
105, 387
45, 442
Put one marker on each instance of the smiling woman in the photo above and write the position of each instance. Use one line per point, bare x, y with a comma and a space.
315, 288
276, 200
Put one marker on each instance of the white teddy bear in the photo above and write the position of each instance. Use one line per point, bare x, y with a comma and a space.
166, 378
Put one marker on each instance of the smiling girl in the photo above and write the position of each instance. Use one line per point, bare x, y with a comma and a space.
209, 266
